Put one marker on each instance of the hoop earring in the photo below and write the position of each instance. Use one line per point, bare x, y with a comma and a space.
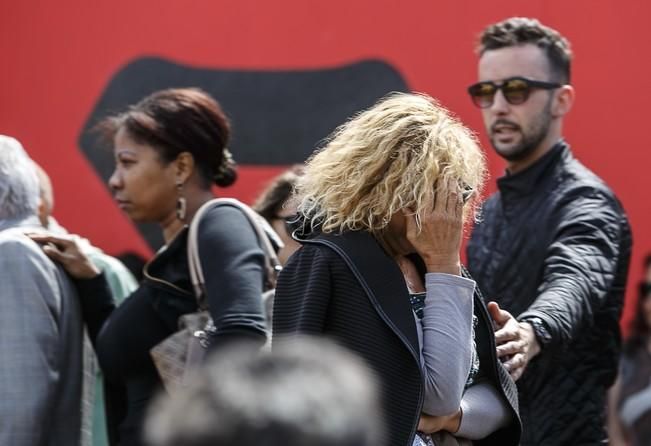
181, 203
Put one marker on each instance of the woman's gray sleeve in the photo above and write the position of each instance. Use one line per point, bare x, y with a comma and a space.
446, 350
484, 412
233, 267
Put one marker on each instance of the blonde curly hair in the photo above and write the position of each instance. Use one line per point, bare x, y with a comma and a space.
389, 157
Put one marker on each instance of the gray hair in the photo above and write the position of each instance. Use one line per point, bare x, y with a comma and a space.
19, 188
306, 392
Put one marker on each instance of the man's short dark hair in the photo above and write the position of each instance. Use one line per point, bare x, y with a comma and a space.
307, 392
517, 31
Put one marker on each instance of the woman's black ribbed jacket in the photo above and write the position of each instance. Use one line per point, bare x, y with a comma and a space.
347, 288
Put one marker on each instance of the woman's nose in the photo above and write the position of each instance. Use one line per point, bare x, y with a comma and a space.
115, 181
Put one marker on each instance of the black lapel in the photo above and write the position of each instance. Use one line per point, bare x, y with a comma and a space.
381, 279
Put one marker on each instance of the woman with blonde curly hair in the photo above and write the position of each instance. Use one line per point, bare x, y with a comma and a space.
382, 211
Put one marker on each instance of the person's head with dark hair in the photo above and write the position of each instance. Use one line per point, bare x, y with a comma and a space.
276, 206
180, 120
640, 326
523, 89
169, 148
273, 199
307, 392
518, 31
647, 265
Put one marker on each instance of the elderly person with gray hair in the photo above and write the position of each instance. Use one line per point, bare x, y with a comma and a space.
41, 330
309, 391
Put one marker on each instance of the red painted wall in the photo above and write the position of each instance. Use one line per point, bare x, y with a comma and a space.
56, 58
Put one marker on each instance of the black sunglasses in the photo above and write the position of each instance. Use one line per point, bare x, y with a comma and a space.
644, 289
516, 90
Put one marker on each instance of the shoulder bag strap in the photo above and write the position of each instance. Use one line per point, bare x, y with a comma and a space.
272, 265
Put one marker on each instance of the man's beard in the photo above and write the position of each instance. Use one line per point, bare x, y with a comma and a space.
531, 138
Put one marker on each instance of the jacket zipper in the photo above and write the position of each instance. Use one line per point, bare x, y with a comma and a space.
145, 269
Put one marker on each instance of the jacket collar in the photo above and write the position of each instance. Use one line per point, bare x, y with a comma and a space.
380, 277
525, 182
31, 221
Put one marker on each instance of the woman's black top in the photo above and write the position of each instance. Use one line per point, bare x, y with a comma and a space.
233, 265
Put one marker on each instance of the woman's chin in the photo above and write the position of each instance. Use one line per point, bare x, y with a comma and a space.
134, 216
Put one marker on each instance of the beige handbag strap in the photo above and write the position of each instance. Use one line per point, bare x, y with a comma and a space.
272, 265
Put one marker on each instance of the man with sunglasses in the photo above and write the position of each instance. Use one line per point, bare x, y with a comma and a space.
553, 244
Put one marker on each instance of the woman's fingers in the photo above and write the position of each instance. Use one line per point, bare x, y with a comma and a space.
437, 236
53, 252
459, 203
454, 197
446, 200
65, 250
411, 223
60, 241
56, 247
446, 196
440, 197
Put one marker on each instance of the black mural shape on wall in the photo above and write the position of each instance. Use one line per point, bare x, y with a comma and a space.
279, 116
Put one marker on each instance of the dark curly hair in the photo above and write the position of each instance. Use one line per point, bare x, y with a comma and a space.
517, 31
181, 120
639, 329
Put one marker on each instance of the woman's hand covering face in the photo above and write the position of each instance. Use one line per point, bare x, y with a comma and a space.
438, 240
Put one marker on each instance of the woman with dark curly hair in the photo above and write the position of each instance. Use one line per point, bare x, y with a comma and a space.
629, 400
169, 148
276, 205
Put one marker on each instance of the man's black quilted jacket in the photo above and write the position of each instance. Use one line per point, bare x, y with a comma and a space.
554, 242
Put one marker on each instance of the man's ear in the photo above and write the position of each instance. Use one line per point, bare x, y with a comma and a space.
563, 101
184, 167
43, 213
